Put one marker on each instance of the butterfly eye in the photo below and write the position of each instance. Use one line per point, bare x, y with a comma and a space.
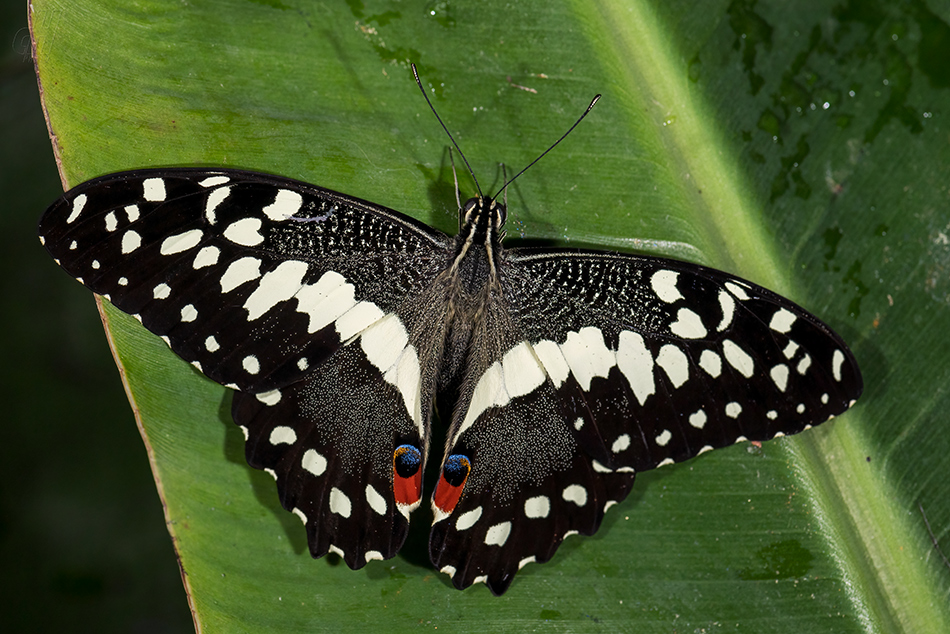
407, 474
502, 216
451, 482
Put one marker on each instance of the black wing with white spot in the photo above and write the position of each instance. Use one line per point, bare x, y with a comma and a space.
296, 296
620, 364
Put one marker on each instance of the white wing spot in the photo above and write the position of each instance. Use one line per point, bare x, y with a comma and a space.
132, 211
728, 306
527, 560
386, 346
779, 376
73, 245
555, 365
215, 199
733, 410
207, 256
521, 371
130, 242
339, 503
78, 203
621, 444
373, 555
837, 359
240, 272
181, 242
300, 514
336, 550
688, 325
498, 534
738, 358
711, 363
189, 313
329, 299
704, 449
771, 414
588, 355
162, 291
285, 205
801, 408
95, 264
302, 364
313, 462
283, 435
804, 364
790, 350
782, 320
213, 181
824, 399
516, 375
664, 438
276, 286
537, 507
636, 364
111, 222
579, 423
467, 520
599, 468
448, 570
211, 344
245, 232
376, 501
698, 418
124, 281
575, 493
153, 189
664, 285
269, 398
736, 290
674, 363
251, 364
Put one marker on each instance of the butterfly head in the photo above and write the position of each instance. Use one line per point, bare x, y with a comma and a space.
482, 218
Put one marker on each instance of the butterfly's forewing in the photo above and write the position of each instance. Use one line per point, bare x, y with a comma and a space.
622, 364
261, 282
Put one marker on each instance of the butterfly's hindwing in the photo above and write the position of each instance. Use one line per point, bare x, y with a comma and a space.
530, 486
329, 441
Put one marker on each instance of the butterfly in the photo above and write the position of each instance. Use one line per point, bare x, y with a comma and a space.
340, 324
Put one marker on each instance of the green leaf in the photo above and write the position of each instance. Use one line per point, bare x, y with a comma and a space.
801, 145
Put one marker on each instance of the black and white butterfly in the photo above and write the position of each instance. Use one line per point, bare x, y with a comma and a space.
340, 323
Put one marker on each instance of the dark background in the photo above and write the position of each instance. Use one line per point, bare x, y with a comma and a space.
83, 544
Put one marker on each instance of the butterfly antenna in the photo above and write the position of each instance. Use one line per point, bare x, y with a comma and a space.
451, 138
554, 145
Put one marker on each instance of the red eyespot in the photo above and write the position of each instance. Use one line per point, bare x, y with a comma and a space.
407, 475
451, 482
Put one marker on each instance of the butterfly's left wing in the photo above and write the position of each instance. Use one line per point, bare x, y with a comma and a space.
301, 298
594, 366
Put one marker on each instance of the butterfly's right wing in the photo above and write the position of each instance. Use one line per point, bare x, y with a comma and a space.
292, 295
608, 365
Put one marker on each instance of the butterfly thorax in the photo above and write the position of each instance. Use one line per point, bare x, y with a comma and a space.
471, 282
